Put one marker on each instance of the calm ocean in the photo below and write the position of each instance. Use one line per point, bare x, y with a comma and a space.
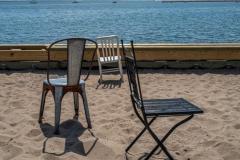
143, 22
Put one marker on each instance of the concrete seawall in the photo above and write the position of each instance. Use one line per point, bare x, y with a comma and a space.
148, 56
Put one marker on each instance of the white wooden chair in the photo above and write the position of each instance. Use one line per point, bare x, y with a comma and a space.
108, 52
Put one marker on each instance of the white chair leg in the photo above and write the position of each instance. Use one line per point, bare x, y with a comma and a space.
120, 69
58, 94
76, 104
85, 104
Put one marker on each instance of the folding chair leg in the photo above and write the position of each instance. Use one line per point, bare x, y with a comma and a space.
85, 104
76, 104
168, 134
138, 136
160, 144
58, 94
44, 94
120, 69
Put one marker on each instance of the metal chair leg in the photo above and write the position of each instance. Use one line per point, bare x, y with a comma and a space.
168, 134
44, 94
160, 144
85, 104
138, 136
76, 104
58, 94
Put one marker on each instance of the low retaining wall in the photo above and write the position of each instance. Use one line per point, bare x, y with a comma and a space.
148, 56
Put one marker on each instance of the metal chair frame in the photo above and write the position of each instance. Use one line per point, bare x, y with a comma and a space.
77, 87
146, 118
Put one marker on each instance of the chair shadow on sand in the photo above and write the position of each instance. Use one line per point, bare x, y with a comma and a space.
70, 130
110, 84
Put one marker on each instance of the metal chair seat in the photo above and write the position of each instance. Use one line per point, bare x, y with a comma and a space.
109, 59
60, 82
177, 106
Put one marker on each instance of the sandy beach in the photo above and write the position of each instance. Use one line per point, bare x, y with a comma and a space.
214, 135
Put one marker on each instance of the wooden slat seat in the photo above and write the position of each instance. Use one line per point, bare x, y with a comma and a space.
109, 59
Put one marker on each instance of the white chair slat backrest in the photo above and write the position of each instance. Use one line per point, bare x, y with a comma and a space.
108, 45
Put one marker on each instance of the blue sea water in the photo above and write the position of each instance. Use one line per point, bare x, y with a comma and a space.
141, 21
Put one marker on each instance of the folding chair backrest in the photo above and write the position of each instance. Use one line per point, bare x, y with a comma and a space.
106, 48
75, 52
132, 72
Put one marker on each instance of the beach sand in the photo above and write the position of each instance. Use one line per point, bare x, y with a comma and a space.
214, 135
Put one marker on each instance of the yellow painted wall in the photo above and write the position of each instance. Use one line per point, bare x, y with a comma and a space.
144, 52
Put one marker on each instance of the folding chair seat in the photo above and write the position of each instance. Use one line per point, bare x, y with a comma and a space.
148, 110
177, 106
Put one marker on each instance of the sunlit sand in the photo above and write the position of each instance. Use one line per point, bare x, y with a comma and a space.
214, 135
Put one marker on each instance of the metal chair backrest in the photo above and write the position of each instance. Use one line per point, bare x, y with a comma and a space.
106, 48
75, 52
133, 78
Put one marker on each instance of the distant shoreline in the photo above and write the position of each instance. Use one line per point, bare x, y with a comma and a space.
164, 1
185, 1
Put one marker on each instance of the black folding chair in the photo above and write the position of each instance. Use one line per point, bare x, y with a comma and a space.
148, 110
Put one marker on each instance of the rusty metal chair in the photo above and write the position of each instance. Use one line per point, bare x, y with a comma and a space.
148, 110
71, 83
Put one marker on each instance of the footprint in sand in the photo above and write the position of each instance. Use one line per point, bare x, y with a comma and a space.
55, 145
16, 103
4, 140
222, 147
35, 152
232, 155
49, 157
99, 150
9, 83
10, 151
2, 118
33, 133
237, 108
2, 126
35, 115
209, 143
237, 126
212, 102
